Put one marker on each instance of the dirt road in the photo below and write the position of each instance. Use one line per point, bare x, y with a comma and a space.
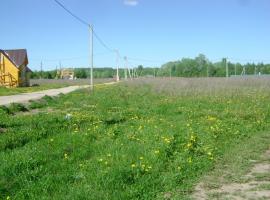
25, 97
253, 185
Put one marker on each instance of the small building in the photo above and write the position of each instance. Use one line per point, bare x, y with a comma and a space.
13, 68
67, 73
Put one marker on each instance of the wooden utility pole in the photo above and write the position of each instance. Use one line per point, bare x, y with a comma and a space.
91, 56
227, 68
117, 65
41, 66
125, 58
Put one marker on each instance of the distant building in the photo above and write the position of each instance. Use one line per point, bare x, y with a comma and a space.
13, 68
67, 73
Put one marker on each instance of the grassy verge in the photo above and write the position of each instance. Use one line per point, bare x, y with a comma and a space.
125, 142
12, 91
47, 84
235, 164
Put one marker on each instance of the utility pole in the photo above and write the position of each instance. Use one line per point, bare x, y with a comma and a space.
60, 65
125, 58
117, 65
41, 66
207, 70
91, 56
227, 68
243, 71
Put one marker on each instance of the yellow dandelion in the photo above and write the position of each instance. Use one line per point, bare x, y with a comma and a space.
189, 145
133, 165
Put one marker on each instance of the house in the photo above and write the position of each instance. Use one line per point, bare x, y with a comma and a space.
13, 68
67, 73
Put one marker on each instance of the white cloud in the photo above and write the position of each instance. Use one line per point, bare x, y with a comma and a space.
131, 2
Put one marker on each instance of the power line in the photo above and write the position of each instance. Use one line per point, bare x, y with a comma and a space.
72, 14
146, 60
71, 58
102, 42
86, 24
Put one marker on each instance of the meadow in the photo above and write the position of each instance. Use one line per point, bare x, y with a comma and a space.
141, 139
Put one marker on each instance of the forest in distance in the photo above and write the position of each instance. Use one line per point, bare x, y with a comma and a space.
199, 66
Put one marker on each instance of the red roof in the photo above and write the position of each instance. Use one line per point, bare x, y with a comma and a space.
17, 56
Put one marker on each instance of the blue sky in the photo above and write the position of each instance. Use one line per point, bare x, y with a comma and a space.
152, 30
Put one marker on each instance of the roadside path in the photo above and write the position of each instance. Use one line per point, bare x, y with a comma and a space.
254, 185
25, 97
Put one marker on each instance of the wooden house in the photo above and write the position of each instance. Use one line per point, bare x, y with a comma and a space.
67, 73
13, 68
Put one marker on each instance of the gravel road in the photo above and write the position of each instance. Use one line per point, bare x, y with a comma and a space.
25, 97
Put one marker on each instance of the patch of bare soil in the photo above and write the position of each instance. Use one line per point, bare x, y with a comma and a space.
2, 130
35, 111
254, 185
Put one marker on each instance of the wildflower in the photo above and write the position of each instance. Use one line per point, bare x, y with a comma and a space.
66, 156
100, 160
189, 160
133, 165
156, 151
8, 197
192, 138
51, 140
167, 140
109, 155
68, 116
106, 163
141, 158
189, 145
179, 168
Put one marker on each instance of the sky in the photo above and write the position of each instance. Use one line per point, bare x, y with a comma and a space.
148, 32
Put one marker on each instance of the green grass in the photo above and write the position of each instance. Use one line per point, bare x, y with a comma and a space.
12, 91
46, 84
124, 142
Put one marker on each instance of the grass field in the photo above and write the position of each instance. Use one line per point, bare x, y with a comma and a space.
45, 84
146, 139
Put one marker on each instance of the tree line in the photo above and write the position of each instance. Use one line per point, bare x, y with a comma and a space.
199, 66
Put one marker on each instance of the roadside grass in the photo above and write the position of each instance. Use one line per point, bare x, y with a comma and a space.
130, 141
46, 84
237, 161
12, 91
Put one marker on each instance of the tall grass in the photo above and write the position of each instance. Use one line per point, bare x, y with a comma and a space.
147, 139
